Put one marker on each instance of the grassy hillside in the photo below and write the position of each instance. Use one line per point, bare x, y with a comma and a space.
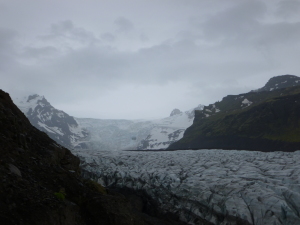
265, 121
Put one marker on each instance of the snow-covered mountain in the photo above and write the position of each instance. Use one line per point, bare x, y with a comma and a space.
99, 134
56, 123
223, 187
136, 134
168, 130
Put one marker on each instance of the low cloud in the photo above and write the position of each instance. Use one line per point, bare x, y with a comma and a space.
123, 24
67, 31
108, 37
189, 53
288, 8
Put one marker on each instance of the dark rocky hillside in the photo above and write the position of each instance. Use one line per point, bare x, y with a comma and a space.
40, 182
264, 120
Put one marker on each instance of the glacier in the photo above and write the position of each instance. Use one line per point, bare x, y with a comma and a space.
114, 135
104, 134
220, 186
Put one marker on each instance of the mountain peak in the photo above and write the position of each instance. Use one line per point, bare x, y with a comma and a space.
56, 123
281, 81
175, 112
34, 96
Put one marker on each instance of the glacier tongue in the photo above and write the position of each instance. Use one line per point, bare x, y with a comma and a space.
114, 135
119, 134
223, 187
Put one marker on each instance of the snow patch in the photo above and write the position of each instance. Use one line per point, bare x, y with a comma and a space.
246, 102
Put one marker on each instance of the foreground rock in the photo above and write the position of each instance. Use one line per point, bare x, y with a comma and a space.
222, 187
40, 182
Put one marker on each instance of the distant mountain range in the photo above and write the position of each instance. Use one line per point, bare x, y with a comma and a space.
266, 119
100, 134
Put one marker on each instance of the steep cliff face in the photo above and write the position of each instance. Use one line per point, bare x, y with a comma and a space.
40, 182
259, 120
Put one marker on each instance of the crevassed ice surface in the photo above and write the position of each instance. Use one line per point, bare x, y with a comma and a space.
217, 185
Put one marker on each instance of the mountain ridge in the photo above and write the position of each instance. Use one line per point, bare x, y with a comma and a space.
259, 120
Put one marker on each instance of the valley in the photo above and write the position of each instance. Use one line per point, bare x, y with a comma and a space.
231, 162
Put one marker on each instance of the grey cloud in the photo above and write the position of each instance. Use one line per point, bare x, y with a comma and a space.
242, 28
279, 33
8, 49
123, 24
108, 37
235, 22
206, 49
62, 27
67, 30
288, 8
91, 65
34, 52
144, 37
7, 39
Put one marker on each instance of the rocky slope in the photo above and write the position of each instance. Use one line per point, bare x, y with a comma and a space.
85, 133
264, 120
41, 182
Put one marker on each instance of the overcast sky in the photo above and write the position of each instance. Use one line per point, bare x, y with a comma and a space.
133, 59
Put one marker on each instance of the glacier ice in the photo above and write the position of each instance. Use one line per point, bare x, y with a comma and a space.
220, 186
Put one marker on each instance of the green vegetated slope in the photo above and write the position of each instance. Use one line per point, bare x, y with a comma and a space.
264, 121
